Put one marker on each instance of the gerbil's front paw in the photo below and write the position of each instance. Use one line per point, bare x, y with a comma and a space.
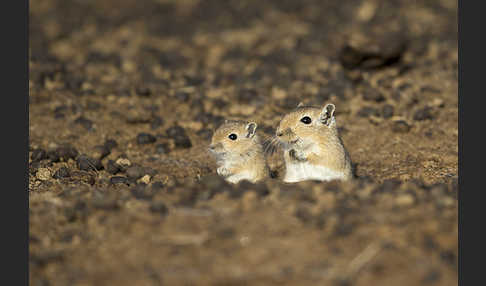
297, 155
222, 171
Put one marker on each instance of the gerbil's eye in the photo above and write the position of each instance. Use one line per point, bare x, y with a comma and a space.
232, 136
306, 120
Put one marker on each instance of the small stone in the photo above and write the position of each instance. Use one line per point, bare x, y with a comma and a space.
86, 163
113, 167
118, 180
123, 162
157, 185
401, 126
100, 152
405, 200
38, 155
63, 172
423, 114
145, 179
387, 111
178, 134
135, 172
86, 123
110, 144
43, 174
145, 138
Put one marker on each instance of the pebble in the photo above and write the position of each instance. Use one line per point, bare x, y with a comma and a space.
83, 121
145, 179
38, 155
401, 126
387, 111
43, 174
423, 114
63, 172
124, 162
86, 163
135, 172
113, 167
145, 138
110, 144
181, 140
118, 180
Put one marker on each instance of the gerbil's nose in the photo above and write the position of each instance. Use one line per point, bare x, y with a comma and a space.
212, 147
279, 133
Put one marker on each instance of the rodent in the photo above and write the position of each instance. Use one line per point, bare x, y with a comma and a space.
239, 152
313, 149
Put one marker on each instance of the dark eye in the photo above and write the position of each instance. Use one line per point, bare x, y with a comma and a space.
232, 136
306, 120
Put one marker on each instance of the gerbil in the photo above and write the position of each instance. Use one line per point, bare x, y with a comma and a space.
238, 151
313, 149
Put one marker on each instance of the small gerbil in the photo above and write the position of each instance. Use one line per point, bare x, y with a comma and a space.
238, 152
313, 149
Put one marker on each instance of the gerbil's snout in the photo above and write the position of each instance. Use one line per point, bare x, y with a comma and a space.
215, 147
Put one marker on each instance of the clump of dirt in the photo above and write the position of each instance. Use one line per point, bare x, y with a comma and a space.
125, 95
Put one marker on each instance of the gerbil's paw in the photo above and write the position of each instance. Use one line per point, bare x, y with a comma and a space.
222, 171
296, 155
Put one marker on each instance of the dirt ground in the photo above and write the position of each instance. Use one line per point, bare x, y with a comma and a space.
125, 95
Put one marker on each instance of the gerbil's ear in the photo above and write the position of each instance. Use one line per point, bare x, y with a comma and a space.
251, 129
327, 114
300, 104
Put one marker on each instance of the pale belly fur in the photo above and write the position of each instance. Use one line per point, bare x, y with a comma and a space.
303, 171
245, 175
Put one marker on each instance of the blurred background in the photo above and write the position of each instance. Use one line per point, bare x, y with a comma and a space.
124, 97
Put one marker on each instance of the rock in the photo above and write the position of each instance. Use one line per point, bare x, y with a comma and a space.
423, 114
38, 155
178, 134
112, 167
145, 138
373, 51
100, 152
63, 153
118, 180
387, 111
135, 172
400, 126
110, 144
145, 179
157, 185
63, 172
86, 163
86, 123
123, 162
43, 174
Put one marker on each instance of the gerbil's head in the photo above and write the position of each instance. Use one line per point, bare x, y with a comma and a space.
233, 138
306, 125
